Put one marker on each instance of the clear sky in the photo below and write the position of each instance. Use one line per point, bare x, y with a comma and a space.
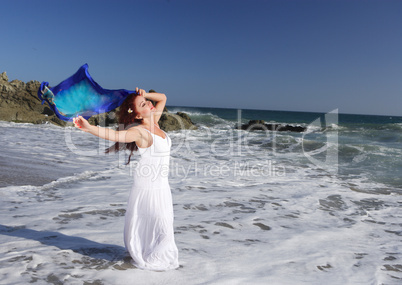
296, 55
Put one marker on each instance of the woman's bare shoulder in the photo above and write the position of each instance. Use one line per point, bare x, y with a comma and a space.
144, 138
138, 129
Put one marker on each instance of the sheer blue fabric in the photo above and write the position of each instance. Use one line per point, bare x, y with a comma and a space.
80, 95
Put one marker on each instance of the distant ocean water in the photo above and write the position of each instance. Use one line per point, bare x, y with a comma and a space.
320, 207
369, 146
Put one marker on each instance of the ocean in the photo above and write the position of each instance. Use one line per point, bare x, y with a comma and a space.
251, 207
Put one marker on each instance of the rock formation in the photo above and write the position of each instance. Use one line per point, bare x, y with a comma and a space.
260, 125
19, 103
172, 122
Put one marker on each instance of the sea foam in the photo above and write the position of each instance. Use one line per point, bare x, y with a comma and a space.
246, 212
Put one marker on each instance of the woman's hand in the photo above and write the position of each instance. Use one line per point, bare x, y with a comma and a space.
81, 123
140, 92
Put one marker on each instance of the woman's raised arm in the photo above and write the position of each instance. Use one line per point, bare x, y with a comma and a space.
159, 99
130, 135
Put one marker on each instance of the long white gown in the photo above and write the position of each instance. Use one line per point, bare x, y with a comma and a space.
148, 229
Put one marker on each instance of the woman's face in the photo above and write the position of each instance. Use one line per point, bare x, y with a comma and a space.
143, 107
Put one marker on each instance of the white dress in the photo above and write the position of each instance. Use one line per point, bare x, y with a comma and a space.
148, 229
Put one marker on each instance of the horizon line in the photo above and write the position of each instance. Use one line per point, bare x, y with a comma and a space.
312, 112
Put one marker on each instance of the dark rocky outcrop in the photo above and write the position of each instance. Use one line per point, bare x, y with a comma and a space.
173, 122
19, 103
260, 125
178, 121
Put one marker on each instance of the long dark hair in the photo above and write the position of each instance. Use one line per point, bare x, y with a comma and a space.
126, 119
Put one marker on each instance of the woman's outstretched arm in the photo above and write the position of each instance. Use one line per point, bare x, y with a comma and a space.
130, 135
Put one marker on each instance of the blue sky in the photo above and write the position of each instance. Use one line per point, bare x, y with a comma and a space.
296, 55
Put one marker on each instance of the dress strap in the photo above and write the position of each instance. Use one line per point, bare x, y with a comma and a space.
153, 133
160, 128
147, 130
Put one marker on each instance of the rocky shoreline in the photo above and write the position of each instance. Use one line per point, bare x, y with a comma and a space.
260, 125
19, 103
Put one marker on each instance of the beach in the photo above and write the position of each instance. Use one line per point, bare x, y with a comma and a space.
251, 207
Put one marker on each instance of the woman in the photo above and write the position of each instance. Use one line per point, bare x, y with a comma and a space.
148, 229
